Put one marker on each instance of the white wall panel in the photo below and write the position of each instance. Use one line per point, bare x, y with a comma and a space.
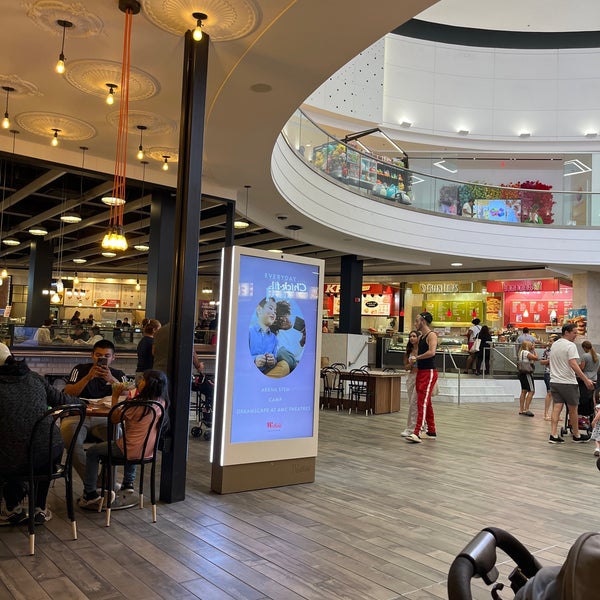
406, 52
409, 84
525, 94
476, 121
462, 62
464, 91
525, 64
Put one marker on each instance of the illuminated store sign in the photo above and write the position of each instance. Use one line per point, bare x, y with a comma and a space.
442, 287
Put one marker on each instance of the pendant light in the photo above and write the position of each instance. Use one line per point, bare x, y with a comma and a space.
140, 152
60, 65
197, 33
6, 120
54, 141
114, 239
243, 222
110, 97
165, 166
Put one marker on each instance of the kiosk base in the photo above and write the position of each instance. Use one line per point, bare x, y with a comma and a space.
256, 476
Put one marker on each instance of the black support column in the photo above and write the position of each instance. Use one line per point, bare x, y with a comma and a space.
40, 277
350, 294
185, 265
162, 256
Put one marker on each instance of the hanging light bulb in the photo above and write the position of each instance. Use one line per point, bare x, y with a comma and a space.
138, 287
55, 137
165, 166
76, 279
197, 32
6, 120
55, 298
60, 65
140, 152
60, 286
110, 97
4, 273
243, 222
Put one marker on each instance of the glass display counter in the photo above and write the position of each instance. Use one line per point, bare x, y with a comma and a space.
390, 351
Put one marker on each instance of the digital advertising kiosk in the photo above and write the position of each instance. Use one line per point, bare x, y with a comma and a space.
265, 414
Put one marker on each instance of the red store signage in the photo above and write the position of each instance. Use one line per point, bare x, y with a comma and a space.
523, 285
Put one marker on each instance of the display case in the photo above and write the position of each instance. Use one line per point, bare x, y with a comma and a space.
63, 336
391, 350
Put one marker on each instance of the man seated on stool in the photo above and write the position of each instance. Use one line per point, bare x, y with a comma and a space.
92, 381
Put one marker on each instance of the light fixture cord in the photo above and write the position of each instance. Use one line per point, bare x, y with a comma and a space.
62, 46
6, 110
117, 211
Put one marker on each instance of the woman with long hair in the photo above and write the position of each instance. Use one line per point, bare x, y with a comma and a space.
152, 386
526, 354
485, 348
590, 363
411, 350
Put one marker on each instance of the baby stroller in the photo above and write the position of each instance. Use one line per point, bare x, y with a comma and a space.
203, 406
575, 580
585, 410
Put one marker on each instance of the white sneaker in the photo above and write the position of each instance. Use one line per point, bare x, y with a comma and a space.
406, 433
597, 452
413, 438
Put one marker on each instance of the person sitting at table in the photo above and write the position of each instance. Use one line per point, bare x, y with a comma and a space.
90, 380
118, 332
96, 336
152, 386
43, 336
24, 398
80, 334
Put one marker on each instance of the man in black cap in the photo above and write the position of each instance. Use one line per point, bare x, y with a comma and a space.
426, 377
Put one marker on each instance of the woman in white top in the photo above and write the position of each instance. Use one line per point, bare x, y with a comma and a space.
526, 354
411, 350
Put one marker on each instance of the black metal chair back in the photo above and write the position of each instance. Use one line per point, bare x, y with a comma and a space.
333, 387
358, 389
44, 465
121, 416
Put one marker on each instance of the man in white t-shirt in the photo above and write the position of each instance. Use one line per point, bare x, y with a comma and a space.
468, 208
472, 335
564, 370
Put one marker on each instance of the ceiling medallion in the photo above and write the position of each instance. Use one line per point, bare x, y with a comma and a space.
227, 19
91, 76
43, 123
21, 87
45, 14
159, 153
155, 124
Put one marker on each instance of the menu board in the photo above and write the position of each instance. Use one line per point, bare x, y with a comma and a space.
448, 311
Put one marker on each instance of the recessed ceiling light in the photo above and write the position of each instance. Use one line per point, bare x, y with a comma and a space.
293, 227
142, 247
113, 201
275, 251
79, 261
261, 88
11, 242
109, 254
456, 264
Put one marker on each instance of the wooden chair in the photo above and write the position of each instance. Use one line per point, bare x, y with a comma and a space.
45, 466
358, 389
131, 410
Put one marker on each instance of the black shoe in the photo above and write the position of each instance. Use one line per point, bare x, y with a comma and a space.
581, 438
431, 435
127, 488
555, 440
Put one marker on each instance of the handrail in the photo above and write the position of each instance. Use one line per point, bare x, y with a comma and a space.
447, 351
390, 181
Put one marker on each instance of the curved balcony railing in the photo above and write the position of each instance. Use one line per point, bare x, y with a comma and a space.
388, 180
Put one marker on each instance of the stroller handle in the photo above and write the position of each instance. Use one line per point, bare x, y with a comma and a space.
478, 559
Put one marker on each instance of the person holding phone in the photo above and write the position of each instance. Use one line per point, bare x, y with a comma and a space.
91, 380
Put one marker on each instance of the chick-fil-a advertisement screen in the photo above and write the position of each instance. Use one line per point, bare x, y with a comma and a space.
277, 312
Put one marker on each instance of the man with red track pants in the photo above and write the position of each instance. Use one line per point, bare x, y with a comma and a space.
426, 378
